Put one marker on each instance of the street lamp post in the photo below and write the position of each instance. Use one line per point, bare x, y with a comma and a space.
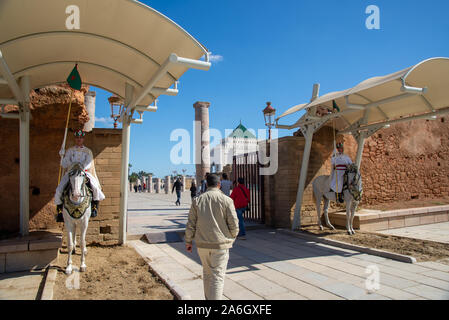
268, 114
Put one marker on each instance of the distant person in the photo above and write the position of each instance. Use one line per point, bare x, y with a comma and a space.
178, 186
213, 224
204, 183
144, 186
193, 189
135, 188
226, 185
240, 195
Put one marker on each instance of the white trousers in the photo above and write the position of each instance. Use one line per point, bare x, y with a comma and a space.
97, 194
215, 262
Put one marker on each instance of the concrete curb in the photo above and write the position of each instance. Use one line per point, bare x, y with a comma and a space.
174, 288
50, 280
336, 243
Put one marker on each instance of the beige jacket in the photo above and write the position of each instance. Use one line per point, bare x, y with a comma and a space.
213, 222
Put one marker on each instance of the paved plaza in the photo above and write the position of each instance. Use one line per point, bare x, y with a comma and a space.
434, 232
272, 265
21, 285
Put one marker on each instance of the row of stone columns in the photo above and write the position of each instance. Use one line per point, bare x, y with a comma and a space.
149, 182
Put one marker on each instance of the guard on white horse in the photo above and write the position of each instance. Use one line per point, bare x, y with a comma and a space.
350, 186
82, 155
340, 162
77, 199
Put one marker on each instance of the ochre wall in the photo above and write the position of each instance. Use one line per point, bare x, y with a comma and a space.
49, 112
406, 161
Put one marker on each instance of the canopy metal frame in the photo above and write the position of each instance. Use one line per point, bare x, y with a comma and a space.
309, 123
135, 96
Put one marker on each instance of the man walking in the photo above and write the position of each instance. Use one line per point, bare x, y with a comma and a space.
213, 224
178, 186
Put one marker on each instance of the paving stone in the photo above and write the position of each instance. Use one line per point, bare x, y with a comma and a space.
235, 291
435, 265
437, 274
286, 296
262, 287
429, 292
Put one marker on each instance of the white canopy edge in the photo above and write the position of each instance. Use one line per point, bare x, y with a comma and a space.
420, 89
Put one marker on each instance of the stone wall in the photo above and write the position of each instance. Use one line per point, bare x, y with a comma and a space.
49, 109
404, 162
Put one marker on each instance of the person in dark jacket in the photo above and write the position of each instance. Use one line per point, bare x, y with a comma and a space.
193, 189
240, 194
178, 186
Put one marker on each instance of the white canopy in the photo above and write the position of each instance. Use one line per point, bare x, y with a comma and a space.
420, 89
118, 42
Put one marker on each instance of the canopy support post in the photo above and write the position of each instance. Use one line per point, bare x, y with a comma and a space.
24, 138
308, 134
126, 133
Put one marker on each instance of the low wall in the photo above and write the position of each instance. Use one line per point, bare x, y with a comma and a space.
374, 220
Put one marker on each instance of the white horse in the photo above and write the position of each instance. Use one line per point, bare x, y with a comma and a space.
352, 192
77, 199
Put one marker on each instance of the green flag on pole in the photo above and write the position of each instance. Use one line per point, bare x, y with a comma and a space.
334, 105
74, 79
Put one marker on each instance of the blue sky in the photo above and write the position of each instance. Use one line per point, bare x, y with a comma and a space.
275, 51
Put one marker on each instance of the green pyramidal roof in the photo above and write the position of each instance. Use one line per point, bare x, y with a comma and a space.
242, 132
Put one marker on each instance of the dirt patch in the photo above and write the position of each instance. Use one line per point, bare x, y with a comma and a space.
422, 250
113, 273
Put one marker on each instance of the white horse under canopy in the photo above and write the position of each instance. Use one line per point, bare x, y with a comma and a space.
77, 198
352, 192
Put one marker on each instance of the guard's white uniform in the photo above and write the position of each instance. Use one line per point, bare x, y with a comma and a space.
340, 161
84, 156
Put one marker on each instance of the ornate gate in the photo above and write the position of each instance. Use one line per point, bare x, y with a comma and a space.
247, 166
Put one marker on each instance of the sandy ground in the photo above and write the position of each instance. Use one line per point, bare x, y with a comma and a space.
113, 273
418, 203
422, 250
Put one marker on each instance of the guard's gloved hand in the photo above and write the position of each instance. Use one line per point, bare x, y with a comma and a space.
62, 152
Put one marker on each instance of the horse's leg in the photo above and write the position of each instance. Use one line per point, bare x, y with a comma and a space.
326, 215
348, 214
74, 238
318, 210
84, 225
69, 226
353, 209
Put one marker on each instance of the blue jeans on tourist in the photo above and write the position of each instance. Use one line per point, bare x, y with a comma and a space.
178, 194
240, 212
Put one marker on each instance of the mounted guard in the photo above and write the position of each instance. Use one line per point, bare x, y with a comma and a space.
82, 155
340, 162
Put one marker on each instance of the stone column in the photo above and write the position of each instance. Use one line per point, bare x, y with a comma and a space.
183, 183
158, 185
89, 102
150, 184
202, 139
167, 184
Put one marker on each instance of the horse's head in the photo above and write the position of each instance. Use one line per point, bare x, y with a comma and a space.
354, 180
77, 178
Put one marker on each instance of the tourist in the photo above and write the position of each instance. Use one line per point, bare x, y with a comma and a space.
213, 224
240, 195
83, 155
140, 188
226, 185
178, 186
193, 189
340, 163
204, 184
135, 188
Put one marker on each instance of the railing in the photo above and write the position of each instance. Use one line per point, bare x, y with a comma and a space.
247, 166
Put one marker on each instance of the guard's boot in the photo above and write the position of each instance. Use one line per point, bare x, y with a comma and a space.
94, 208
340, 198
59, 217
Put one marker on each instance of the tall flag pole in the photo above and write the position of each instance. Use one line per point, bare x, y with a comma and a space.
74, 81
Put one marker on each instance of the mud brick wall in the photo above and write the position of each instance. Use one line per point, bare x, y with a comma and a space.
404, 162
44, 168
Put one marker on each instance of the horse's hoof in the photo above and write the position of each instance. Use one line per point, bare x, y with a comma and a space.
349, 233
68, 271
83, 268
321, 228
